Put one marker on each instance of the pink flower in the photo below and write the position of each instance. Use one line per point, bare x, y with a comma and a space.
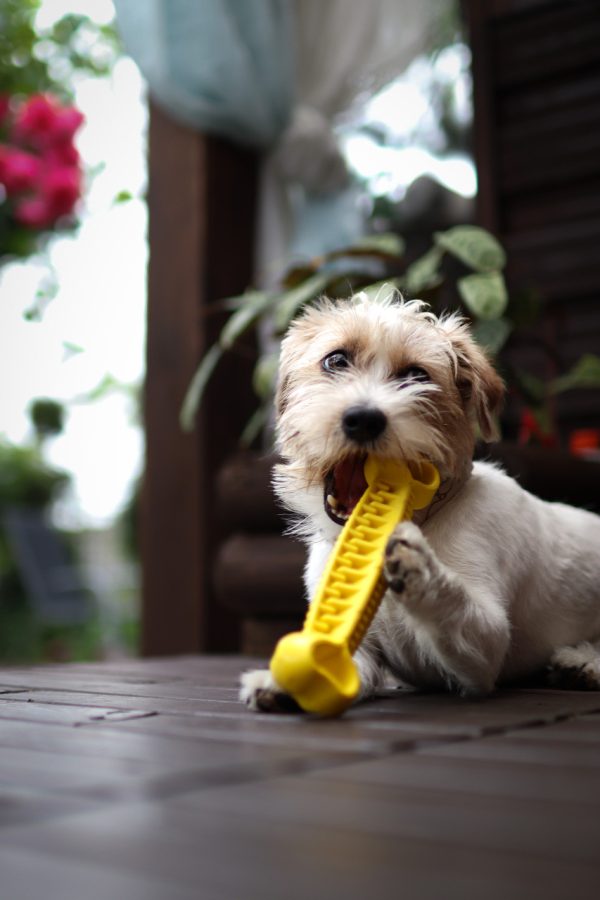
67, 121
34, 212
62, 153
61, 188
43, 122
39, 168
35, 119
19, 171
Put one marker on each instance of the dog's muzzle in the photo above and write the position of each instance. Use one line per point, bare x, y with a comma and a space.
363, 424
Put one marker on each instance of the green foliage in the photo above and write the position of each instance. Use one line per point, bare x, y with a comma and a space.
584, 374
47, 416
473, 246
25, 480
484, 294
492, 334
24, 639
195, 391
480, 293
423, 274
338, 273
34, 60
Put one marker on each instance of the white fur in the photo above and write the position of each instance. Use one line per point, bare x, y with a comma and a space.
497, 585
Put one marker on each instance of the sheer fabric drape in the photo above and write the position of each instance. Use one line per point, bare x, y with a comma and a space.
279, 74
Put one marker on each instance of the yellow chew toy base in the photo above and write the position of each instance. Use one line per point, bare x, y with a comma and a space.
315, 665
318, 673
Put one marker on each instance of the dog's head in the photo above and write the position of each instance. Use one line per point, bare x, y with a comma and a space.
360, 376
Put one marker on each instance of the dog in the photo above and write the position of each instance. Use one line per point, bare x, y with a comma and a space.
488, 586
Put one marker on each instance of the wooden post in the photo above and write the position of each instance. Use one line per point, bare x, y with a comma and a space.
202, 199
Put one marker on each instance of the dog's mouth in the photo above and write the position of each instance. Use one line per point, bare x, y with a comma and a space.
345, 484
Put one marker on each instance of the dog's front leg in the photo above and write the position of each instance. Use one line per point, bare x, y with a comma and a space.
459, 629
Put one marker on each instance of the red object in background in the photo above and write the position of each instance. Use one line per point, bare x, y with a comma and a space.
585, 443
531, 432
39, 163
4, 106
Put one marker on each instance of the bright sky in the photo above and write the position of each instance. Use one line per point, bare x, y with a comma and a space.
100, 305
401, 109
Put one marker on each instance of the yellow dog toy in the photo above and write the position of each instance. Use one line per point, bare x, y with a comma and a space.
315, 665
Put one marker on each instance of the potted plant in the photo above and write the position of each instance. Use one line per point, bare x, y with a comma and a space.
463, 268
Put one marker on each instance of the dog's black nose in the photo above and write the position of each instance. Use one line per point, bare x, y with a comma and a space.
363, 423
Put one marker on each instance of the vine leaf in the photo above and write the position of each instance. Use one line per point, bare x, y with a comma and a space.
197, 387
492, 334
289, 303
424, 272
474, 246
255, 303
484, 294
584, 374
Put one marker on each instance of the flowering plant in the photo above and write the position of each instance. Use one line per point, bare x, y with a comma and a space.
40, 171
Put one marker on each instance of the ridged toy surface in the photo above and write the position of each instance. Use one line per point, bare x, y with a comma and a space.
315, 665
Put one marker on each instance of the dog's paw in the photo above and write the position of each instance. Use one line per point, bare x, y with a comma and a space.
260, 692
408, 563
575, 668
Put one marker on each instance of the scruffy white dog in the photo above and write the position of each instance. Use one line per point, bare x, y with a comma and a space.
490, 584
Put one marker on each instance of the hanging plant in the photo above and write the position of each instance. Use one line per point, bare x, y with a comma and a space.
41, 177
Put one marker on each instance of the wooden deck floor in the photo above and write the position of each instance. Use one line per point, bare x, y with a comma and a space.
147, 779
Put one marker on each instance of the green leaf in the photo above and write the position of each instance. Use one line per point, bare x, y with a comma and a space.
195, 391
289, 303
492, 333
381, 291
70, 349
254, 304
584, 374
299, 273
255, 424
123, 196
388, 244
484, 294
474, 246
423, 273
105, 386
533, 388
265, 375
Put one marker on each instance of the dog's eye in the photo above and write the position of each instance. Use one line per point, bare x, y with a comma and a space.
411, 374
335, 361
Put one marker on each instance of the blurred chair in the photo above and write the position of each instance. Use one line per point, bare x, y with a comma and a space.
53, 583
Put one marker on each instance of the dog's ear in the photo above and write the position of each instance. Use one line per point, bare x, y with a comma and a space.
479, 385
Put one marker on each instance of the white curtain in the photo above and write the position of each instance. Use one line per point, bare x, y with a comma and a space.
279, 74
345, 50
222, 66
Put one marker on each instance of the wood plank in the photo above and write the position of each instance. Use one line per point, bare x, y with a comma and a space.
30, 875
204, 796
262, 575
538, 750
434, 769
492, 822
548, 40
196, 259
288, 842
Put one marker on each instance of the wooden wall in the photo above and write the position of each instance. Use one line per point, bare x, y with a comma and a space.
202, 198
536, 67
